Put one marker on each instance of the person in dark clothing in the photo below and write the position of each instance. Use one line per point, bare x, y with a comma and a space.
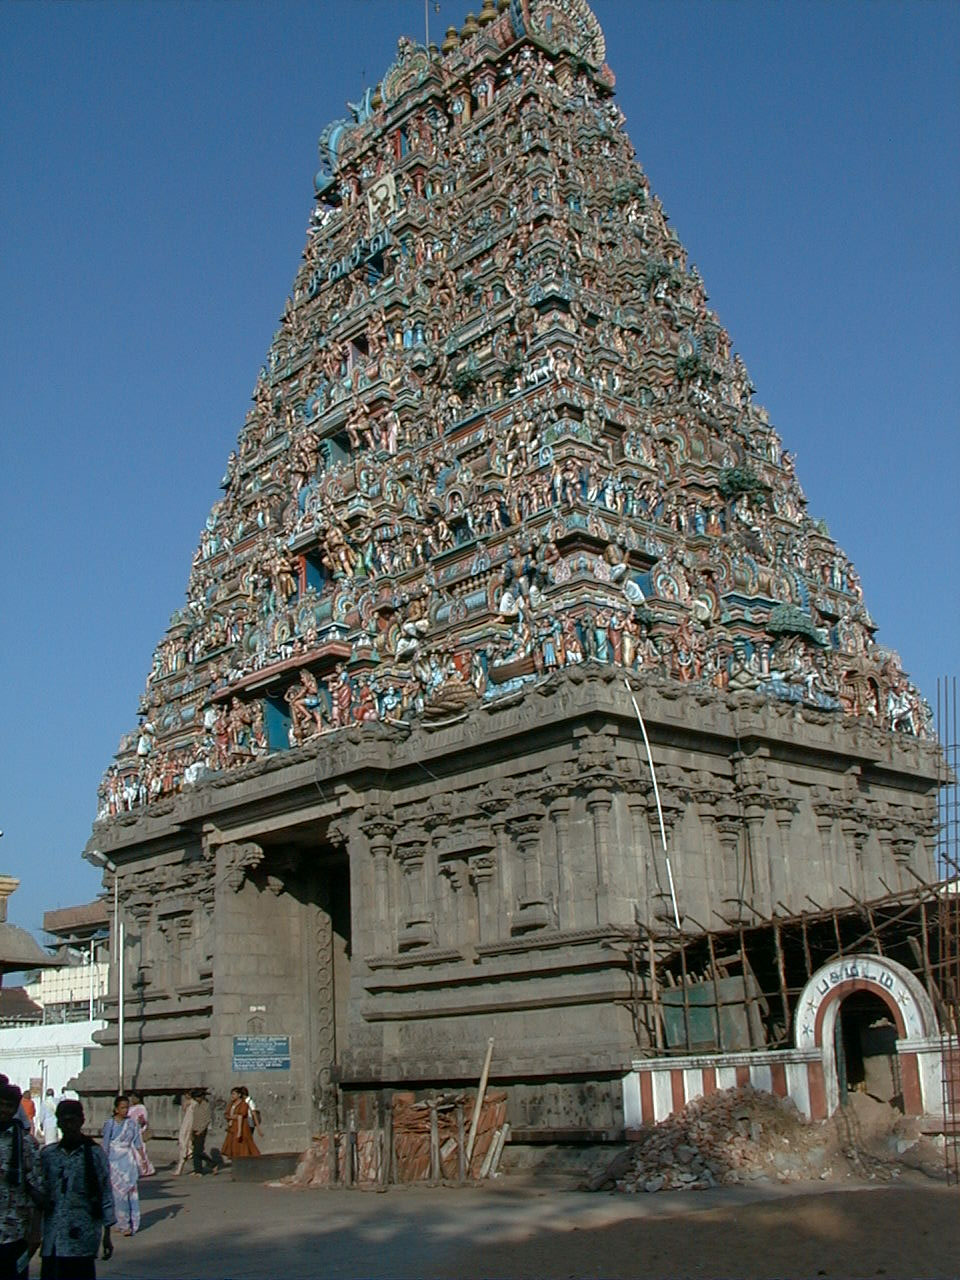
79, 1208
202, 1116
21, 1187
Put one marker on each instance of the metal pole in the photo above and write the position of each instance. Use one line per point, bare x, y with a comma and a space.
120, 1014
116, 921
91, 978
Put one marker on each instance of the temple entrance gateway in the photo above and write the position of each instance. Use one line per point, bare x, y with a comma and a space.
329, 984
286, 945
873, 1023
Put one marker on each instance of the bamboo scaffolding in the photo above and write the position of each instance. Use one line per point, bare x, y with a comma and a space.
898, 925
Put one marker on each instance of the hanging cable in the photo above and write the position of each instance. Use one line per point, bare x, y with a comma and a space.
656, 794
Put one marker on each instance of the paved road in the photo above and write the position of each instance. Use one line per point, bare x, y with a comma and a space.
215, 1227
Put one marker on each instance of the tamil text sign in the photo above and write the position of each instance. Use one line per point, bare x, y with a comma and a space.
261, 1053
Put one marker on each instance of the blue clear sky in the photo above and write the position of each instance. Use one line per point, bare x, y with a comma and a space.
157, 166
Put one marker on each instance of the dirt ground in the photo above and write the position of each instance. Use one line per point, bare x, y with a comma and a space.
902, 1231
537, 1226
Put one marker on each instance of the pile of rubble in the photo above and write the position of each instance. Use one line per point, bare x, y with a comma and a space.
735, 1136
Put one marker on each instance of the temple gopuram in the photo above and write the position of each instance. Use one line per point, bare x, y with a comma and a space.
509, 648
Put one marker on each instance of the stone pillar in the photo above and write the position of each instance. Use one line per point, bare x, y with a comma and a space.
184, 945
560, 817
855, 837
415, 923
781, 880
483, 877
141, 970
498, 824
729, 836
824, 812
672, 801
379, 833
599, 803
532, 910
758, 882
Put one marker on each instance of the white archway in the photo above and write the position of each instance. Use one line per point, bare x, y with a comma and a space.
911, 1008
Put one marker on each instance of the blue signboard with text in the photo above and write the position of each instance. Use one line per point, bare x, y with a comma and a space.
261, 1053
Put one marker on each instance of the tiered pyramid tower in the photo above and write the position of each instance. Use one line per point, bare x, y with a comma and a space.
501, 462
499, 431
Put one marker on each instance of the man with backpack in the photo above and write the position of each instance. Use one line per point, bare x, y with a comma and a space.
21, 1188
79, 1202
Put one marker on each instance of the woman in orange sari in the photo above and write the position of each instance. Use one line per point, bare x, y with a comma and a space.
239, 1141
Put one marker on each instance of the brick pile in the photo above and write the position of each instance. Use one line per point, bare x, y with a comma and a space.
411, 1132
411, 1142
725, 1138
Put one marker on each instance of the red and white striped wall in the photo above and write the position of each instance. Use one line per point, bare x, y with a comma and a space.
806, 1073
656, 1087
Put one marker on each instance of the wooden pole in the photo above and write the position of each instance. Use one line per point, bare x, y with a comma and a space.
461, 1163
351, 1147
806, 945
481, 1090
333, 1164
781, 973
925, 944
634, 991
686, 994
876, 932
387, 1139
487, 1164
655, 995
434, 1142
503, 1137
836, 932
747, 992
716, 990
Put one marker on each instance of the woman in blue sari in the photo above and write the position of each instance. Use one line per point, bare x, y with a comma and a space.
123, 1147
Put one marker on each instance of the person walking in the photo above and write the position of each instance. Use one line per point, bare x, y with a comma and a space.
47, 1120
123, 1147
138, 1112
202, 1116
21, 1187
188, 1104
238, 1143
28, 1108
79, 1210
254, 1110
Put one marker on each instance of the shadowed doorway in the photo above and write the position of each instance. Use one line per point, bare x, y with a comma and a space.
865, 1042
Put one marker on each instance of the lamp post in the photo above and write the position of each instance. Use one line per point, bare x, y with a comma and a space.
101, 860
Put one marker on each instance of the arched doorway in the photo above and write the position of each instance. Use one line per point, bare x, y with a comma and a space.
865, 1044
888, 1006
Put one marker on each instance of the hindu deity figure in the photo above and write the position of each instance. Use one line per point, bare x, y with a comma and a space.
308, 709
